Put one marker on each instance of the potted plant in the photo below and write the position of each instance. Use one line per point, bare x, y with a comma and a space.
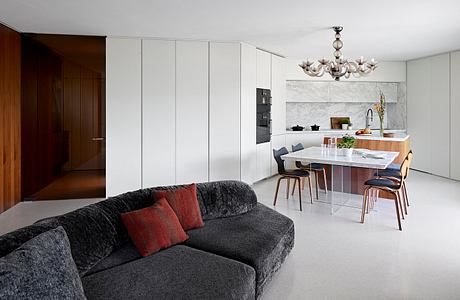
380, 108
347, 144
345, 123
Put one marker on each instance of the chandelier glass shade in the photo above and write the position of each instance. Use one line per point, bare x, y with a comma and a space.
339, 67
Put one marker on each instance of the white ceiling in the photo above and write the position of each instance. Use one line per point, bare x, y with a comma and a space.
385, 29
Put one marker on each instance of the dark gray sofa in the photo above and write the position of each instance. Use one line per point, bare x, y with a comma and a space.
241, 246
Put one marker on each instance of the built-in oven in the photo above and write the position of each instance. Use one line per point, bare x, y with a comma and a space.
263, 119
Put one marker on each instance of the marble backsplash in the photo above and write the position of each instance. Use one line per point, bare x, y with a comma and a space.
309, 113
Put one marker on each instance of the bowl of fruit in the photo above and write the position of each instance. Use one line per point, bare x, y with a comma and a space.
365, 131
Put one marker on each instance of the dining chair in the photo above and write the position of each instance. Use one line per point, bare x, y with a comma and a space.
315, 167
395, 175
384, 184
296, 174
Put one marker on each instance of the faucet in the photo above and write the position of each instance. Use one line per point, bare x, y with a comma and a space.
369, 119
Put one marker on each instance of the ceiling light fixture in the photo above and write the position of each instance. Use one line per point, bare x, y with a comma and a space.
339, 67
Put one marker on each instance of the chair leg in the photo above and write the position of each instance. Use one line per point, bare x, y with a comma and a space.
277, 189
288, 184
397, 210
369, 193
300, 195
405, 193
309, 185
363, 208
403, 199
317, 185
325, 181
293, 187
400, 204
303, 183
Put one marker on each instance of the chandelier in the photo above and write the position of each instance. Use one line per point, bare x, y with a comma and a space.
339, 66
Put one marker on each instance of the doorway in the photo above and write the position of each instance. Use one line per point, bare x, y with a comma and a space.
63, 117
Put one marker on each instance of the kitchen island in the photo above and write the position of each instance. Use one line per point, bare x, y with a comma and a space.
355, 177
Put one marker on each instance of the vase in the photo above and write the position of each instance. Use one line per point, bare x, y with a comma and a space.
348, 152
381, 127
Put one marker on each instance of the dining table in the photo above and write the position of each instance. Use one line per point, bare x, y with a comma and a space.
338, 159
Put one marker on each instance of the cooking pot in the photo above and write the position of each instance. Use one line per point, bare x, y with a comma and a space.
314, 127
297, 128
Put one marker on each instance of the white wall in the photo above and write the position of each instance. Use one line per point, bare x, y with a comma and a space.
123, 115
387, 71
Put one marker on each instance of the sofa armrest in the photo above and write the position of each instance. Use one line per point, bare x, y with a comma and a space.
225, 198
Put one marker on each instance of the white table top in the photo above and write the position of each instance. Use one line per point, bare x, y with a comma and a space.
332, 157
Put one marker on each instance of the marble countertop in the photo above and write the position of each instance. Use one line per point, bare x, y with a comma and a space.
334, 157
400, 134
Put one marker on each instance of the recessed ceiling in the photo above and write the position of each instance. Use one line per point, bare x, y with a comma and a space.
386, 30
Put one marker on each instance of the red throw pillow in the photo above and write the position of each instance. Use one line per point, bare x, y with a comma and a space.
185, 204
154, 228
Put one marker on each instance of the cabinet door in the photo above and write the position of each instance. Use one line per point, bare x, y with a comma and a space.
123, 110
455, 115
191, 112
278, 95
440, 115
264, 154
248, 113
263, 69
224, 111
418, 112
158, 113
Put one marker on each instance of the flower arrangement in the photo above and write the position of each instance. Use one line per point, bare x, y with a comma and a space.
380, 108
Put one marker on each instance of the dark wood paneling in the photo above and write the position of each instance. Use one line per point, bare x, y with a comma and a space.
10, 117
42, 125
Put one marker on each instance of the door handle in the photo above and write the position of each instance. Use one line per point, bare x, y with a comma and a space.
96, 139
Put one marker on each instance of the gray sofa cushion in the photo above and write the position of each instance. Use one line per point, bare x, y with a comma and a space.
179, 272
12, 240
124, 254
261, 238
42, 268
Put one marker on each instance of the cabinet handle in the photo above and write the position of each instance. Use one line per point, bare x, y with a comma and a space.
96, 139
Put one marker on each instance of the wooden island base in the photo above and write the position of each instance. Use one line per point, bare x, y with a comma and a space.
354, 178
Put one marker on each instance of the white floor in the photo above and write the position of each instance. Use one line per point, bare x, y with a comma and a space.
336, 257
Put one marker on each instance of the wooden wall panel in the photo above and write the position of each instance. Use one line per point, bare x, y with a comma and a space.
10, 118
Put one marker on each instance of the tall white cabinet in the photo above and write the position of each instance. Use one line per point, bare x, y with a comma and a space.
455, 115
191, 111
429, 113
248, 159
224, 111
123, 120
158, 112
